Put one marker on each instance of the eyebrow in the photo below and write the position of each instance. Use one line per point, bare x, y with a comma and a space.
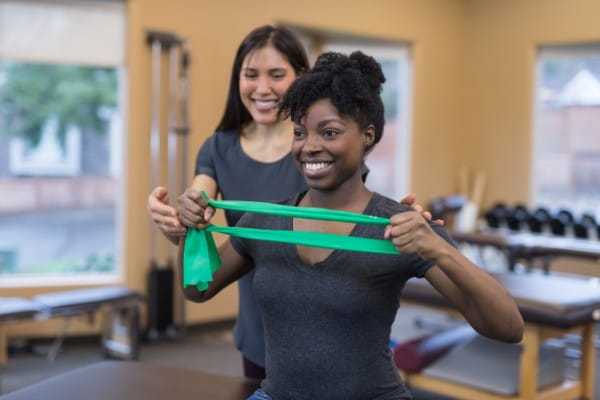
302, 125
270, 70
325, 122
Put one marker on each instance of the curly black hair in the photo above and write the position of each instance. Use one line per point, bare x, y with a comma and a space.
353, 84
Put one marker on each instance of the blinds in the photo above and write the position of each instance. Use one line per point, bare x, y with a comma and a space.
65, 32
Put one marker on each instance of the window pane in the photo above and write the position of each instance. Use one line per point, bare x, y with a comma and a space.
60, 146
389, 161
567, 145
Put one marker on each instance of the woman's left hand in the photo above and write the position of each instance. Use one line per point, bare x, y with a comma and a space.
411, 201
412, 234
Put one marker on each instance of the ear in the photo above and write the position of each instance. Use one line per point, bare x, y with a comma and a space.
369, 136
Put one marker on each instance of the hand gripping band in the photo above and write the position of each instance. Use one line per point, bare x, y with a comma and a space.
201, 258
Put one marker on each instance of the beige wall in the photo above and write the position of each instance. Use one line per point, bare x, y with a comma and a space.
503, 36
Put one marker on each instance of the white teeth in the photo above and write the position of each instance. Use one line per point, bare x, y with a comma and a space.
265, 103
315, 165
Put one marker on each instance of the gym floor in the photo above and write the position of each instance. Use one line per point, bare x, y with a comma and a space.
206, 348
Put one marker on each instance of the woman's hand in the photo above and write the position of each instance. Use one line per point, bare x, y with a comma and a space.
163, 215
194, 211
410, 200
412, 234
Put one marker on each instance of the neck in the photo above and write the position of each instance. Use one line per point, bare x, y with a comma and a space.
267, 143
268, 132
351, 196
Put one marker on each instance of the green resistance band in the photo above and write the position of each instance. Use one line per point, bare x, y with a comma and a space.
201, 258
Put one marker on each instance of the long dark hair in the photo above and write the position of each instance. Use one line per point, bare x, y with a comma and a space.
285, 42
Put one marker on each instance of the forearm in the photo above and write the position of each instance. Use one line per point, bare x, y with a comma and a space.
232, 267
485, 303
174, 239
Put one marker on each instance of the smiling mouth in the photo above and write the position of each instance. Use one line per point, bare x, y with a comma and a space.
316, 166
265, 105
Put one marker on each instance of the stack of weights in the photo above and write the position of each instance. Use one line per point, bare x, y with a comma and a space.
517, 218
560, 222
538, 220
496, 216
585, 228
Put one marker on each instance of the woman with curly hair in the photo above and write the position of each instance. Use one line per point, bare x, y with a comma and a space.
328, 313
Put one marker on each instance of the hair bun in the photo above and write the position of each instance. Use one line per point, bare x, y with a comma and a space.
370, 69
357, 64
331, 62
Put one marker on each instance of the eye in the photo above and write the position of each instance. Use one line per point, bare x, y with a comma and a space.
277, 73
298, 133
330, 132
250, 74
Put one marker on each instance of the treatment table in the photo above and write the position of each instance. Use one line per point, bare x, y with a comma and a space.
552, 306
120, 323
531, 247
128, 380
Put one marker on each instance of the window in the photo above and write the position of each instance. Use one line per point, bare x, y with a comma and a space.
61, 140
389, 162
566, 152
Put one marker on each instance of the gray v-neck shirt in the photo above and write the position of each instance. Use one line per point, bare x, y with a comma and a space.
327, 326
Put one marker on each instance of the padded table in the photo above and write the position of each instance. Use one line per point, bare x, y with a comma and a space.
530, 247
14, 309
552, 306
86, 300
129, 380
120, 303
17, 308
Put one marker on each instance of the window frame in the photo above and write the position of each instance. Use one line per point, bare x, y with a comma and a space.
118, 144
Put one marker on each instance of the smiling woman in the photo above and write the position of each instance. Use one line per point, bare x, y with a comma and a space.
247, 158
327, 313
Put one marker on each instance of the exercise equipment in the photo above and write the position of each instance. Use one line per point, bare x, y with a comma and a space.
416, 354
552, 307
496, 216
201, 258
120, 323
166, 313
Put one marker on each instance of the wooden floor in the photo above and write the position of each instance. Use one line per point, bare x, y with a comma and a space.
205, 348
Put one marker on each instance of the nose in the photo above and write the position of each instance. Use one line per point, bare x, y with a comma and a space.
263, 85
312, 143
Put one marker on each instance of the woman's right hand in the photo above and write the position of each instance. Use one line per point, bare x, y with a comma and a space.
194, 210
163, 215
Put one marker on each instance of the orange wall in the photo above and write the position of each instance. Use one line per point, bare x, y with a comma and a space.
473, 77
503, 36
473, 66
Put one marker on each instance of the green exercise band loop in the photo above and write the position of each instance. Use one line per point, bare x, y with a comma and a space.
201, 258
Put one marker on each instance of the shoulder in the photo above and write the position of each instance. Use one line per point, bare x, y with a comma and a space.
219, 143
385, 207
224, 139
